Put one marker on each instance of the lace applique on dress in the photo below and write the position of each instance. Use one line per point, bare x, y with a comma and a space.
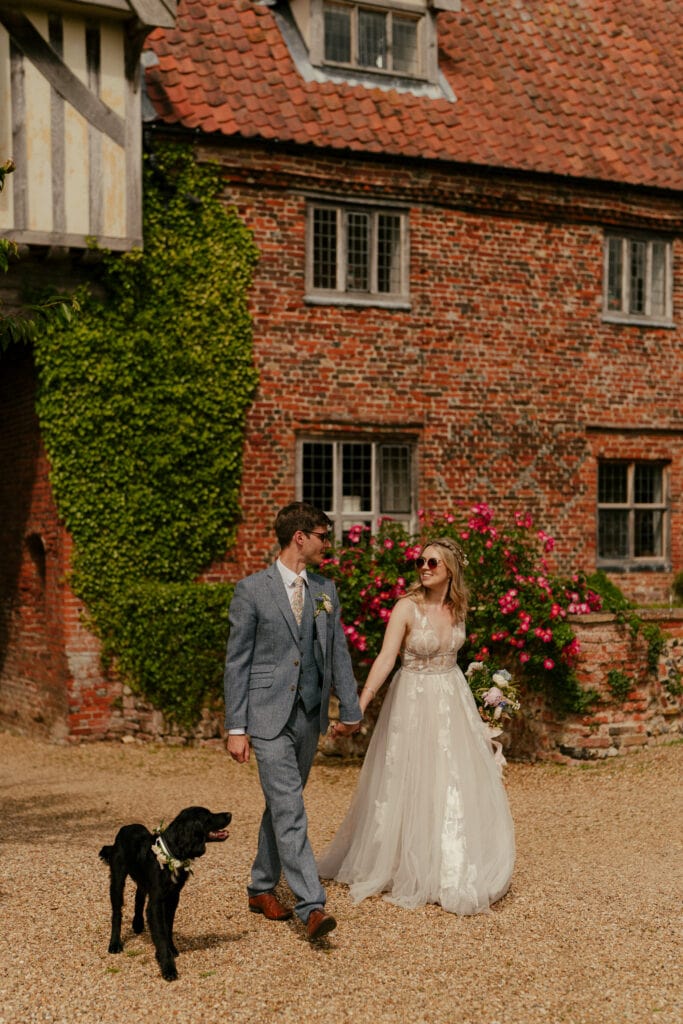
422, 651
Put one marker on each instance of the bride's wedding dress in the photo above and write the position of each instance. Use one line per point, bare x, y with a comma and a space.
429, 821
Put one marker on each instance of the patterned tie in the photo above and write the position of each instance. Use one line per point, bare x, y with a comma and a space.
298, 599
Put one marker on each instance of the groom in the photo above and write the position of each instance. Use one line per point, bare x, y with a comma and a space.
286, 652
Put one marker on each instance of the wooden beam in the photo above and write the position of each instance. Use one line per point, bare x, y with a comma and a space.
61, 78
160, 13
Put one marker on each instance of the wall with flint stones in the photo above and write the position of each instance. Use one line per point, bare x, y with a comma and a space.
652, 712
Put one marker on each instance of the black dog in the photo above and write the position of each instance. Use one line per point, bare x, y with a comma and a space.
159, 865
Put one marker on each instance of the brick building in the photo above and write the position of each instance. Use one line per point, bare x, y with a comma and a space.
470, 282
471, 277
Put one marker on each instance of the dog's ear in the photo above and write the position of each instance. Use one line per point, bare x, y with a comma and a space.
196, 840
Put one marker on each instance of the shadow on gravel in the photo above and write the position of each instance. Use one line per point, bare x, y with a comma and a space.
41, 819
192, 943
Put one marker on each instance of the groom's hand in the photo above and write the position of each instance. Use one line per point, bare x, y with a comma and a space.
238, 748
344, 729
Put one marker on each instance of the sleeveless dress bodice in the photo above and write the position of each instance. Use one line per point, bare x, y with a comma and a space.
423, 652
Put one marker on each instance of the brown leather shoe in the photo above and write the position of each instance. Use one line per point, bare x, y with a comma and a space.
268, 904
319, 923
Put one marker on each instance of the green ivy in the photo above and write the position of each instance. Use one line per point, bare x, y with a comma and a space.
142, 403
620, 684
170, 637
614, 601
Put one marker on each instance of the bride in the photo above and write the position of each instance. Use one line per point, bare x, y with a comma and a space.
429, 821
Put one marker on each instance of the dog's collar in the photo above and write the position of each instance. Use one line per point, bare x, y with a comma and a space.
167, 860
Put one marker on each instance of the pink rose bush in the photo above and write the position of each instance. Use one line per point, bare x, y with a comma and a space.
519, 609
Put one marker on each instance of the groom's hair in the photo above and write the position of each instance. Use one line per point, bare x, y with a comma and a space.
299, 515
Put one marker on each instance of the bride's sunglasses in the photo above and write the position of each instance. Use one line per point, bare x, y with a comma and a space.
431, 563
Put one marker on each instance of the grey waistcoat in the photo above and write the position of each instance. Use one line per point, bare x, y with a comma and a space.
309, 676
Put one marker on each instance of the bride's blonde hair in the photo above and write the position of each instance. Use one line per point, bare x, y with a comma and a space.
455, 560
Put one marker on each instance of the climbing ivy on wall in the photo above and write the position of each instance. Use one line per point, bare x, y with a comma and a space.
142, 402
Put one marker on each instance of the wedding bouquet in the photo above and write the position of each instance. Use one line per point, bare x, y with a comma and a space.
494, 692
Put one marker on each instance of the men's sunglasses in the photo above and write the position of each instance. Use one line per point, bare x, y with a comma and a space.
431, 563
324, 537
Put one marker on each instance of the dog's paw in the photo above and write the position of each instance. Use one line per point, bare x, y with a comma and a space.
116, 946
169, 972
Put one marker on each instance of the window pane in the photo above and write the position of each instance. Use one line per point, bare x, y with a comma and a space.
614, 274
372, 39
404, 45
388, 253
357, 252
613, 534
317, 474
324, 248
647, 484
637, 266
356, 477
658, 288
394, 467
337, 34
612, 483
648, 534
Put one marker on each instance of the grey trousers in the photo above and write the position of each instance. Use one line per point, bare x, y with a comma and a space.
284, 764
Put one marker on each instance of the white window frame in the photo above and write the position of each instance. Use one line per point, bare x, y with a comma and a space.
346, 512
341, 294
630, 561
624, 314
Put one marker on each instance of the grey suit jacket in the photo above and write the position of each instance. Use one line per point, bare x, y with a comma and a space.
262, 661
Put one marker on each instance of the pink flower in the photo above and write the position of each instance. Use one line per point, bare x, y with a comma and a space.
493, 697
549, 664
524, 657
388, 543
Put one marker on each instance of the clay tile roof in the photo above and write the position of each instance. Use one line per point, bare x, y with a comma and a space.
574, 87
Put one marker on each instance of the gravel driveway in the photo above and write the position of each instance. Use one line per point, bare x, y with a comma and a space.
589, 934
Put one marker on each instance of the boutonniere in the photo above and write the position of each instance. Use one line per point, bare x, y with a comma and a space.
324, 604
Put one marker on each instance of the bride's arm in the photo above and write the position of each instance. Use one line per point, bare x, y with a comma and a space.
397, 627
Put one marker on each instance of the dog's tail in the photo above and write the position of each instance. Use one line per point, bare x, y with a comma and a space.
105, 854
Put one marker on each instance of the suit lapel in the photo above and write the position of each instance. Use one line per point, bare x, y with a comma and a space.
279, 594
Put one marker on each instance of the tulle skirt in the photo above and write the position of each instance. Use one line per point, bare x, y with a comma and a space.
429, 821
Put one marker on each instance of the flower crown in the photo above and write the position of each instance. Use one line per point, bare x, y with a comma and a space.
450, 545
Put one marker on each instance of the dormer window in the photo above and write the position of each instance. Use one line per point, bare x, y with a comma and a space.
372, 38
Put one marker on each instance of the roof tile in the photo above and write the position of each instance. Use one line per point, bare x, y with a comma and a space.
572, 87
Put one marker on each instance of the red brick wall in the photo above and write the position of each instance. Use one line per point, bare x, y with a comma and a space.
502, 369
651, 712
33, 669
51, 680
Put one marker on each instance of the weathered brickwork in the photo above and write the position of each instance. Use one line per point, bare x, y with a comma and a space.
651, 713
503, 370
33, 669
